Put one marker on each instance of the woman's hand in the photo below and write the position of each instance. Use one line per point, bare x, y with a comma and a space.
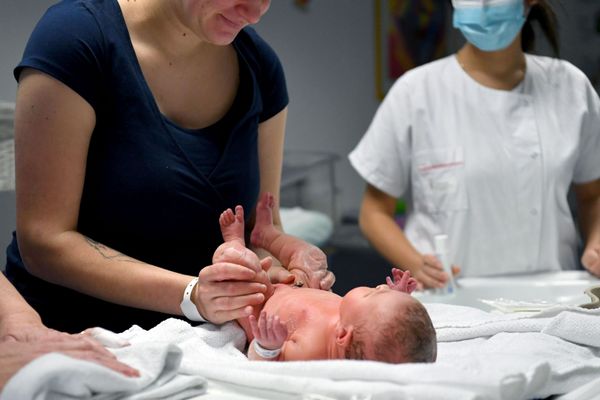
431, 274
31, 332
591, 258
230, 287
15, 354
24, 340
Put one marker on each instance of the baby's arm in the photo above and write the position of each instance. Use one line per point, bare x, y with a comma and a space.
402, 282
269, 336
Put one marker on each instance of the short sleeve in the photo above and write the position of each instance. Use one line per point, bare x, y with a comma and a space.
587, 167
67, 45
271, 77
383, 156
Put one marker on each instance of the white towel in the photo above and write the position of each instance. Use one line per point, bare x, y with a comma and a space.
575, 324
476, 360
518, 365
56, 376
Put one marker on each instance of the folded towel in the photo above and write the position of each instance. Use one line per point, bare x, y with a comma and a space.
56, 376
576, 324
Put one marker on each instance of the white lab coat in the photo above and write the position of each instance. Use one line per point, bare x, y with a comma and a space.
489, 168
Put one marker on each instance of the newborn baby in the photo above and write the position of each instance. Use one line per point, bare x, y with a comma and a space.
384, 323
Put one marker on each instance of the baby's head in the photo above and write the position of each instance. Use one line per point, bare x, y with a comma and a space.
387, 325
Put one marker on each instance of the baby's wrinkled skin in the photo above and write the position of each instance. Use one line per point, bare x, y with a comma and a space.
297, 255
306, 323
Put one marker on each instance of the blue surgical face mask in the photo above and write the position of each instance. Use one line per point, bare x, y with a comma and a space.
489, 25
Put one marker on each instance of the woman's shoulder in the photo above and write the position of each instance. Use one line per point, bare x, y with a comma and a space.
255, 47
555, 71
70, 43
431, 68
78, 21
69, 12
266, 67
424, 78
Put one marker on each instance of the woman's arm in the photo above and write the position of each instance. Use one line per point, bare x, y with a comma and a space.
16, 316
53, 128
588, 209
379, 226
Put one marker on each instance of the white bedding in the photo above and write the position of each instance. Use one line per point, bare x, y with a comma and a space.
480, 356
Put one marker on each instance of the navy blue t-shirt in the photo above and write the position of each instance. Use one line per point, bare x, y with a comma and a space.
153, 190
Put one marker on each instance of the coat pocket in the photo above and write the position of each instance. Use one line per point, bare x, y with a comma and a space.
439, 180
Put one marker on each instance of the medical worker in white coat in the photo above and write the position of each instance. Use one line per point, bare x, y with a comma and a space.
484, 146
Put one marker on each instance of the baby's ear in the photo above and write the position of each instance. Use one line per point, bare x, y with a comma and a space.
343, 335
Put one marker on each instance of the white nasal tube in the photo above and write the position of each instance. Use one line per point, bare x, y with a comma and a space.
440, 243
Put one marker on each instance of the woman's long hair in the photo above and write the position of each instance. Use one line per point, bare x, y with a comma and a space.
544, 15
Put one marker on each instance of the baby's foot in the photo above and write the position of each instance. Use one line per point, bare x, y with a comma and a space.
264, 220
232, 225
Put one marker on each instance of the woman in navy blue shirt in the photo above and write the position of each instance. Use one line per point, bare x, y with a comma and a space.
137, 124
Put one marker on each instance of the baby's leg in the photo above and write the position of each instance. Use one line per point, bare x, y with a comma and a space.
264, 233
288, 249
232, 229
232, 225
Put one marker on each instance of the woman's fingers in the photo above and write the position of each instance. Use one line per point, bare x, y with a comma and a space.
266, 263
228, 308
455, 270
105, 337
221, 316
239, 256
226, 303
225, 271
432, 269
426, 281
227, 291
109, 362
231, 288
77, 346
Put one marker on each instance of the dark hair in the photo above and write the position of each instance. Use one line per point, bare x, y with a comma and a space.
408, 337
544, 15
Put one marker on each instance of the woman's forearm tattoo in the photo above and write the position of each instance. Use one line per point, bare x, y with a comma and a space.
110, 254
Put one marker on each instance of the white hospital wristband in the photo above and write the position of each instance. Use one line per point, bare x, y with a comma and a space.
188, 307
265, 353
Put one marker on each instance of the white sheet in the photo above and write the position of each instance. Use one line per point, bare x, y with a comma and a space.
477, 359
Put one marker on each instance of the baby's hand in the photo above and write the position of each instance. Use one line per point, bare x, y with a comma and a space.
268, 331
402, 282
